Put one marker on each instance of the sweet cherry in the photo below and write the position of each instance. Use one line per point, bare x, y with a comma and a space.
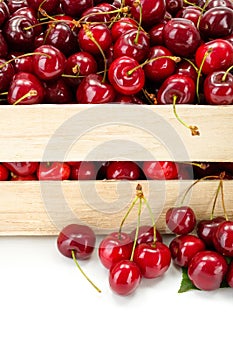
4, 173
207, 228
124, 170
160, 170
223, 238
53, 171
181, 220
22, 168
146, 235
218, 88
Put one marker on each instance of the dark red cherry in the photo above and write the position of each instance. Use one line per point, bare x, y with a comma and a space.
124, 170
160, 170
181, 37
146, 235
75, 8
95, 14
159, 69
3, 46
217, 3
4, 173
31, 15
132, 44
21, 64
83, 171
128, 99
153, 11
50, 6
152, 258
58, 92
229, 275
79, 64
49, 63
191, 13
6, 74
218, 55
114, 248
22, 168
25, 88
53, 171
223, 238
14, 5
4, 12
186, 68
124, 277
61, 36
217, 89
93, 89
156, 34
100, 33
181, 220
126, 76
78, 238
181, 86
122, 26
206, 229
173, 6
207, 270
217, 22
183, 248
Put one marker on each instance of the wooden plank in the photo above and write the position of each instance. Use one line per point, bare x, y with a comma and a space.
102, 132
43, 208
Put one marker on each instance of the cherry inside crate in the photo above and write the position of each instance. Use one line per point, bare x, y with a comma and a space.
83, 132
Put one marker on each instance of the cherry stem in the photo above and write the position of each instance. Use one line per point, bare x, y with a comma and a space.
192, 4
78, 76
137, 228
202, 11
223, 202
198, 165
152, 219
215, 200
173, 58
123, 9
81, 270
22, 56
191, 63
150, 97
30, 93
138, 3
4, 93
227, 72
127, 214
199, 73
194, 129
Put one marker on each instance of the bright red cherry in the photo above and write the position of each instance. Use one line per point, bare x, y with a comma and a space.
223, 238
180, 220
207, 270
124, 277
218, 88
79, 238
83, 171
153, 11
114, 248
152, 258
122, 26
146, 235
160, 170
53, 171
183, 248
4, 173
95, 33
22, 168
206, 229
124, 170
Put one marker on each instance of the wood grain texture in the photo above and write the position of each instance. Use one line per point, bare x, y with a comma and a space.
79, 132
34, 208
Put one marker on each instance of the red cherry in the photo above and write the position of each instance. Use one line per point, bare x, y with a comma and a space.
50, 6
126, 76
100, 33
180, 220
173, 6
152, 258
3, 46
4, 173
160, 170
114, 248
75, 8
79, 238
229, 276
57, 91
122, 26
218, 53
183, 248
146, 235
6, 74
22, 168
153, 11
14, 177
21, 64
216, 22
156, 34
53, 171
217, 90
14, 5
49, 63
223, 238
207, 270
4, 12
29, 13
83, 171
206, 229
191, 13
128, 99
186, 68
124, 170
124, 277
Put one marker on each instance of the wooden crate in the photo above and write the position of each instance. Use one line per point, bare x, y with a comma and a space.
47, 132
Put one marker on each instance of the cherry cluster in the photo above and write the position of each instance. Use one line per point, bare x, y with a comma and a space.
205, 257
112, 170
130, 51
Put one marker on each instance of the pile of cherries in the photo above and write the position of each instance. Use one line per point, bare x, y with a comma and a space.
112, 170
131, 51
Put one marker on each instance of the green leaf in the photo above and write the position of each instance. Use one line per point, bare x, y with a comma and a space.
186, 284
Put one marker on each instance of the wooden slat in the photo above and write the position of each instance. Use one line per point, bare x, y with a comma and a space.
34, 208
79, 132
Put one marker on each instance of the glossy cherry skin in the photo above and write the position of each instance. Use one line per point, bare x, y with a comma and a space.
22, 168
53, 171
153, 11
92, 89
101, 34
156, 34
191, 13
153, 259
218, 91
79, 238
124, 170
124, 277
160, 170
146, 235
181, 37
14, 5
4, 12
4, 173
183, 248
128, 99
220, 55
50, 64
217, 3
57, 91
223, 238
114, 248
229, 275
178, 85
29, 13
173, 6
25, 88
126, 45
161, 68
50, 6
6, 74
186, 68
61, 36
207, 270
122, 26
95, 14
217, 22
83, 171
75, 8
122, 79
181, 220
79, 64
3, 46
22, 64
207, 228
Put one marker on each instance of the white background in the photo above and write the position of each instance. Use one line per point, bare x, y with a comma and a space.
45, 303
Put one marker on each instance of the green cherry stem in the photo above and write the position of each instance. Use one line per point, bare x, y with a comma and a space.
199, 73
136, 4
192, 4
30, 93
194, 129
127, 214
215, 200
152, 219
223, 202
137, 228
202, 11
227, 72
83, 273
24, 55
